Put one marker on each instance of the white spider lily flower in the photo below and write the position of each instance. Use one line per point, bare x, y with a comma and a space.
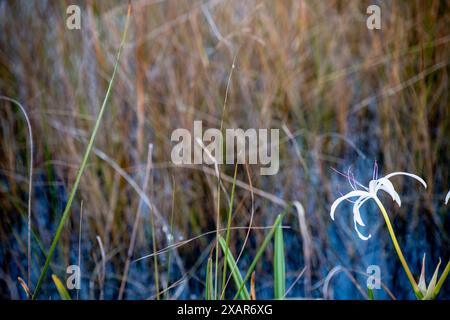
375, 185
447, 197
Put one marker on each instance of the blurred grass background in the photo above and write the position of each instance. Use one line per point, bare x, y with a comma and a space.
343, 96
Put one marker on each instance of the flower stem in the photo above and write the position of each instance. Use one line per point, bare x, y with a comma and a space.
397, 248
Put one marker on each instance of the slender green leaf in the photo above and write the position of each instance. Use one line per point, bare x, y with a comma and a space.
279, 265
237, 277
261, 251
442, 279
227, 237
66, 212
60, 287
370, 293
209, 280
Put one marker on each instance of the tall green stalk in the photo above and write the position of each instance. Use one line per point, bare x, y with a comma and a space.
227, 237
398, 250
66, 212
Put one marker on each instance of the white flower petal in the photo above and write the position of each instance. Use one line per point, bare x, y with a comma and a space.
447, 197
373, 186
360, 235
356, 208
387, 186
355, 193
407, 174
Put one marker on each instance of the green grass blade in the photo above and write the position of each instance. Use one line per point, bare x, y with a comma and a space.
227, 237
168, 263
279, 265
237, 277
260, 252
442, 279
66, 212
209, 280
370, 293
61, 289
